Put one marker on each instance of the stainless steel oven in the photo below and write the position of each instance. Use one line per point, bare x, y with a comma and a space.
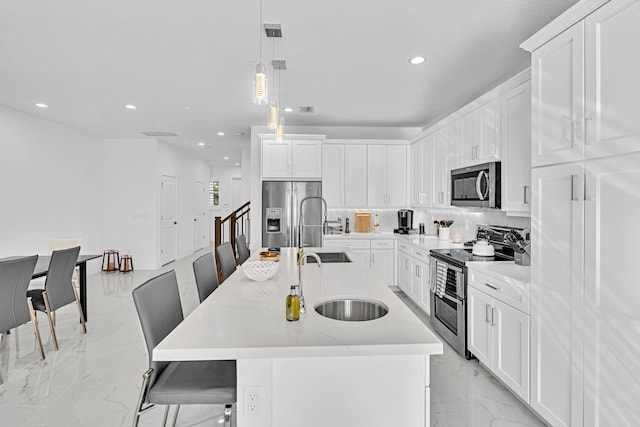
448, 304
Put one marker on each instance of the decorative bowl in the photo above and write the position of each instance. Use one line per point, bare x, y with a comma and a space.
260, 270
269, 256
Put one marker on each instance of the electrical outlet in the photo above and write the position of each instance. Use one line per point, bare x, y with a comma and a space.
252, 400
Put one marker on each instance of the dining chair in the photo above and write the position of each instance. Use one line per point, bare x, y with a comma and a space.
204, 269
58, 290
178, 383
226, 260
56, 244
16, 308
243, 250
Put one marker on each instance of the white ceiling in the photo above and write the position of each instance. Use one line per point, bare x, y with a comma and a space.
188, 65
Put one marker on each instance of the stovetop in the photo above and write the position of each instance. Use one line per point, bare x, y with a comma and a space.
462, 256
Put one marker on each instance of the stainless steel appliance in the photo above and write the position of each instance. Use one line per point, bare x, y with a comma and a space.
280, 213
448, 295
476, 186
405, 222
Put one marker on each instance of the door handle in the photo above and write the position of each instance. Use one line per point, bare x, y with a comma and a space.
175, 222
486, 313
526, 188
481, 175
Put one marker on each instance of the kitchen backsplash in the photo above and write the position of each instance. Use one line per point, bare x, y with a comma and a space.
464, 221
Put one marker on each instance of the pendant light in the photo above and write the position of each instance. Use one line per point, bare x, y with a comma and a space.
272, 121
260, 79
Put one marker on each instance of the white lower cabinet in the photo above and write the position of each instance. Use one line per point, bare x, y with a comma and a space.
413, 274
376, 253
498, 333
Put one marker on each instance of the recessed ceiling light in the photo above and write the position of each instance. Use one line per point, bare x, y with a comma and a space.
237, 164
226, 158
416, 60
130, 107
220, 133
288, 110
201, 144
187, 108
239, 133
41, 105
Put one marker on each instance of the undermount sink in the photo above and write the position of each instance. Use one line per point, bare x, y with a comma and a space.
352, 310
330, 257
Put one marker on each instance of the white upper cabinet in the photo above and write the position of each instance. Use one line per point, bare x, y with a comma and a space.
386, 175
418, 191
439, 170
355, 175
292, 158
515, 110
333, 174
558, 99
480, 135
612, 70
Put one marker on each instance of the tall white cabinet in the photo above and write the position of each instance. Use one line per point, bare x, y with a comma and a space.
585, 322
386, 175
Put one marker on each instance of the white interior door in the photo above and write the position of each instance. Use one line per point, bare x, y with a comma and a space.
199, 215
168, 219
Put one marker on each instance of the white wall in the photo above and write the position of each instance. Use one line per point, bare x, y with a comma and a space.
187, 169
51, 180
131, 189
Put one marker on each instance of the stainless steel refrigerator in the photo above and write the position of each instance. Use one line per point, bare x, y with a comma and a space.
281, 211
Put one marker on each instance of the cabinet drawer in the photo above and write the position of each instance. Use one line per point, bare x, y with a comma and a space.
404, 247
347, 244
381, 243
421, 254
512, 293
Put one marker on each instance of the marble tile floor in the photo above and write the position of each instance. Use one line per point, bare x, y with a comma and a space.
94, 379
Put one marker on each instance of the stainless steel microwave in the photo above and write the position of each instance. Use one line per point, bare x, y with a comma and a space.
476, 186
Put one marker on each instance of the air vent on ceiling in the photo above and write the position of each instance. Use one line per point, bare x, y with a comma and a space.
279, 64
273, 30
306, 109
159, 133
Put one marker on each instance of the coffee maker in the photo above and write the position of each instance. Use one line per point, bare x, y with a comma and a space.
405, 222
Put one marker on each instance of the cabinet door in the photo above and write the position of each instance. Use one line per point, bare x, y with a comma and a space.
415, 156
468, 126
438, 171
557, 293
425, 286
427, 164
612, 83
276, 159
360, 256
612, 292
418, 271
355, 173
396, 172
404, 272
511, 347
306, 159
479, 326
557, 98
376, 175
488, 135
516, 149
382, 264
333, 174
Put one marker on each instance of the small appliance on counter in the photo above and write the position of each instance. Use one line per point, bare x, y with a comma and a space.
405, 222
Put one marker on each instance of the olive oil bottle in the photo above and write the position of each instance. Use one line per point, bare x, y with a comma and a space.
293, 304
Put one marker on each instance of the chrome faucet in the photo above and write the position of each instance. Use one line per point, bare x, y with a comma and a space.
325, 224
302, 257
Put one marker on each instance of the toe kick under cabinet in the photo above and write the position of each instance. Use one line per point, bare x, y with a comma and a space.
498, 329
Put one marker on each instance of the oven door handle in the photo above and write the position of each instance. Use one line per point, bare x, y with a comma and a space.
445, 296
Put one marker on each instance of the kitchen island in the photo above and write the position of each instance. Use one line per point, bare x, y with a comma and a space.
316, 371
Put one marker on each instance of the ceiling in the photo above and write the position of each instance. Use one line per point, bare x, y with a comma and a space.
188, 66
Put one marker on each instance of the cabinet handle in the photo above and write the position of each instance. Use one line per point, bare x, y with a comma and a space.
486, 313
373, 258
406, 261
493, 316
526, 188
574, 194
491, 286
418, 272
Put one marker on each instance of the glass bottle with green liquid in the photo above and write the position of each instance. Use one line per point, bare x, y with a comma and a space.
293, 304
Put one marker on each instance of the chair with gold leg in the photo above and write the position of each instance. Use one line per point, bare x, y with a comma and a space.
178, 383
15, 308
58, 290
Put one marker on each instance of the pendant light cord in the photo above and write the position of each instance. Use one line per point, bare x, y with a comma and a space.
260, 31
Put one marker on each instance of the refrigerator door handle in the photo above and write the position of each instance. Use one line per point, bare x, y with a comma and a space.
295, 219
288, 205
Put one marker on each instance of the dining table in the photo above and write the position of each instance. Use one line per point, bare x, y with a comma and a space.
42, 268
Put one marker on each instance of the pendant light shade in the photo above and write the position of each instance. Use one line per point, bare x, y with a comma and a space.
273, 113
260, 84
280, 130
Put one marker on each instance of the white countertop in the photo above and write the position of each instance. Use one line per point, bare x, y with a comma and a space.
507, 271
426, 241
354, 236
246, 319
